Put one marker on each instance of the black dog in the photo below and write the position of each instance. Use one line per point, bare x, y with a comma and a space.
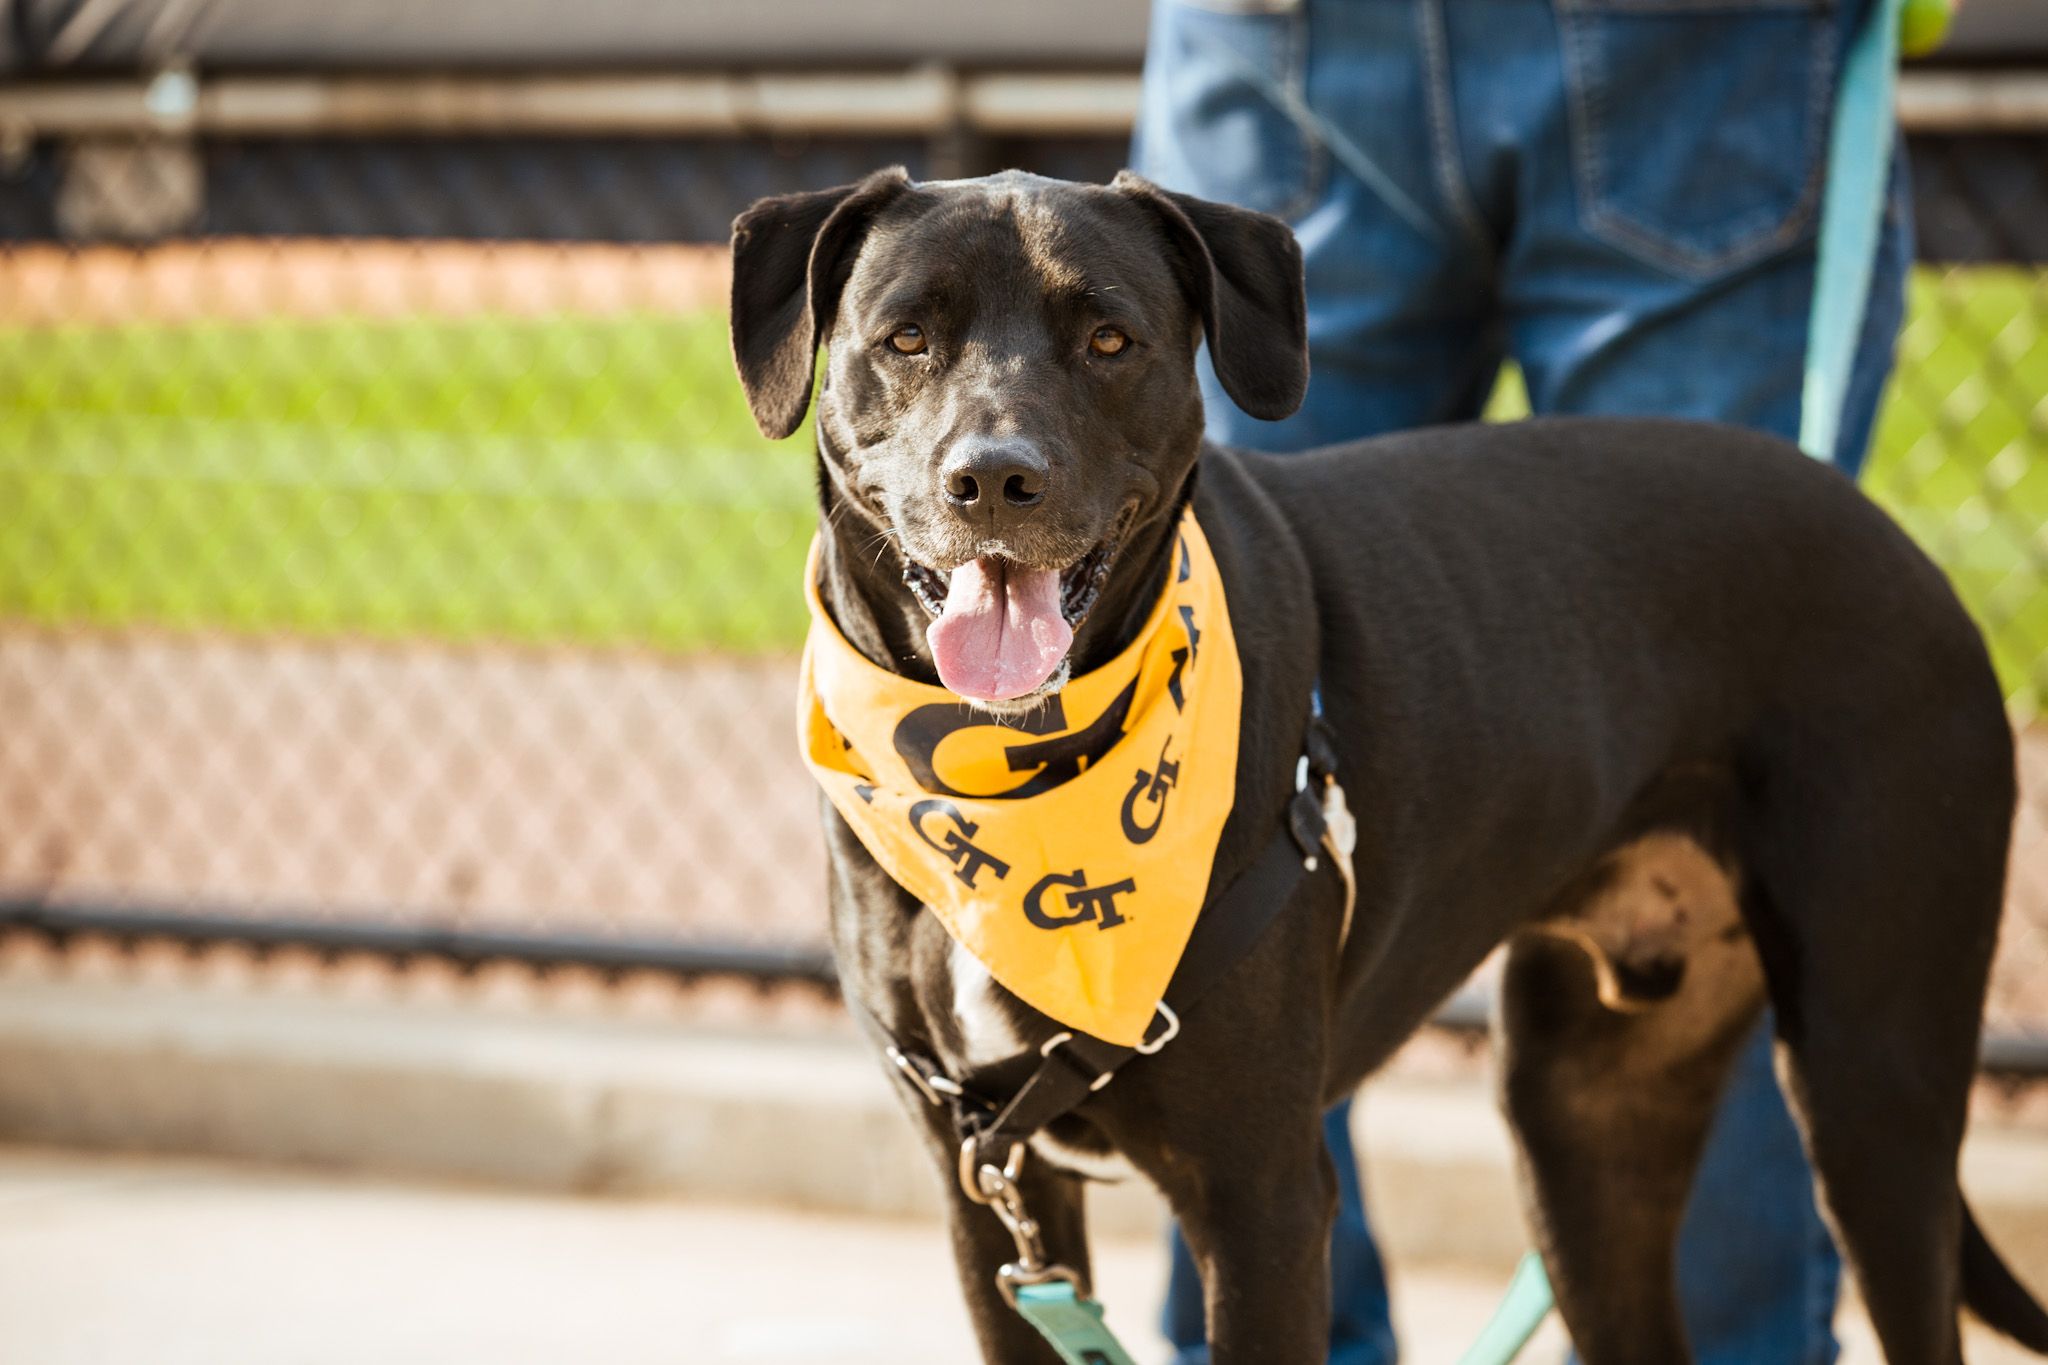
1669, 708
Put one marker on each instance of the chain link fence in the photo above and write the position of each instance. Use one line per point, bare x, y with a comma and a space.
390, 564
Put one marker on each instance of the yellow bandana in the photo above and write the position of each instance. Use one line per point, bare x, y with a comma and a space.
1067, 849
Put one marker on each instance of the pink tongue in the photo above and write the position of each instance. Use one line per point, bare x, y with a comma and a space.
1002, 633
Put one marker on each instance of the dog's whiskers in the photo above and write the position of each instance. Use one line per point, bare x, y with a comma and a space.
880, 541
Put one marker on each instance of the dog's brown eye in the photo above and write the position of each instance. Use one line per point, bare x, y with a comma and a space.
907, 341
1107, 341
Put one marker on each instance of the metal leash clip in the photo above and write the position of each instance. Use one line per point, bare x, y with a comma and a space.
973, 1181
997, 1188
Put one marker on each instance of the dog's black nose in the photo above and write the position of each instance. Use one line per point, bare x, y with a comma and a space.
1001, 479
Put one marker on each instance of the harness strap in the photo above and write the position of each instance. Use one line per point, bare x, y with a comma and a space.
1071, 1066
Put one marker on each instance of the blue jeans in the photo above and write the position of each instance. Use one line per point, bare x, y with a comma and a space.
1622, 199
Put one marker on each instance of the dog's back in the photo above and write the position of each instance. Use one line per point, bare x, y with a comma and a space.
1483, 593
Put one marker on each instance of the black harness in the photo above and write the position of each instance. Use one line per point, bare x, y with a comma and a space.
1069, 1067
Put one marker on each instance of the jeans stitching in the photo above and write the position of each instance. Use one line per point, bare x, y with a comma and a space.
1588, 140
1285, 90
1326, 141
1443, 132
1295, 81
1582, 113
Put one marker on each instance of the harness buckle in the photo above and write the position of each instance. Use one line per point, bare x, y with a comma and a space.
1151, 1045
997, 1188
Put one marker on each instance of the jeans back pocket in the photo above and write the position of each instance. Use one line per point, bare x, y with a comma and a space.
1225, 81
1698, 127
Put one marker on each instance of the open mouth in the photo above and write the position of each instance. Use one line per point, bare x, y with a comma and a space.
1001, 629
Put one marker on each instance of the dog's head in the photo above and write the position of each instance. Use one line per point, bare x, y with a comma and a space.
1010, 389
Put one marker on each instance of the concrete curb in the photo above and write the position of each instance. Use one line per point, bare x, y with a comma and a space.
640, 1107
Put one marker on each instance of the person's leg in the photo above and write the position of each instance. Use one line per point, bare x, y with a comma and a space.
1730, 349
1665, 196
1664, 255
1183, 1319
1330, 115
1361, 1328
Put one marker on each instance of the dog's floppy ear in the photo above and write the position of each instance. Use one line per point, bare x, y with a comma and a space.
790, 258
1242, 271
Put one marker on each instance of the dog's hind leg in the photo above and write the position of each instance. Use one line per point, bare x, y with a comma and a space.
1881, 869
1611, 1094
1884, 1146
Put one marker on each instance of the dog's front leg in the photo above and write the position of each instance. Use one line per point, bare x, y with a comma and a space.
981, 1247
1259, 1227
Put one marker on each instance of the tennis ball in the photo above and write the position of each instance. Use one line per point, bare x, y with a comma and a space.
1923, 24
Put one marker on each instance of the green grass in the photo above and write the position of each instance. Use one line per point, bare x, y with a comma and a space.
585, 480
598, 482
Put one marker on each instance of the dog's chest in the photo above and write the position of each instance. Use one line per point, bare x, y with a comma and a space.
988, 1035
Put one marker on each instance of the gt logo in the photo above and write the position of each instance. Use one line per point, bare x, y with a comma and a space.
1152, 788
1084, 902
967, 859
980, 755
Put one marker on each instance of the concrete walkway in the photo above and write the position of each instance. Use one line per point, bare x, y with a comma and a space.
624, 1106
106, 1260
658, 1193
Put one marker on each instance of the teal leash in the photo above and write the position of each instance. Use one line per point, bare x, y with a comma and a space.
1852, 216
1071, 1322
1522, 1310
